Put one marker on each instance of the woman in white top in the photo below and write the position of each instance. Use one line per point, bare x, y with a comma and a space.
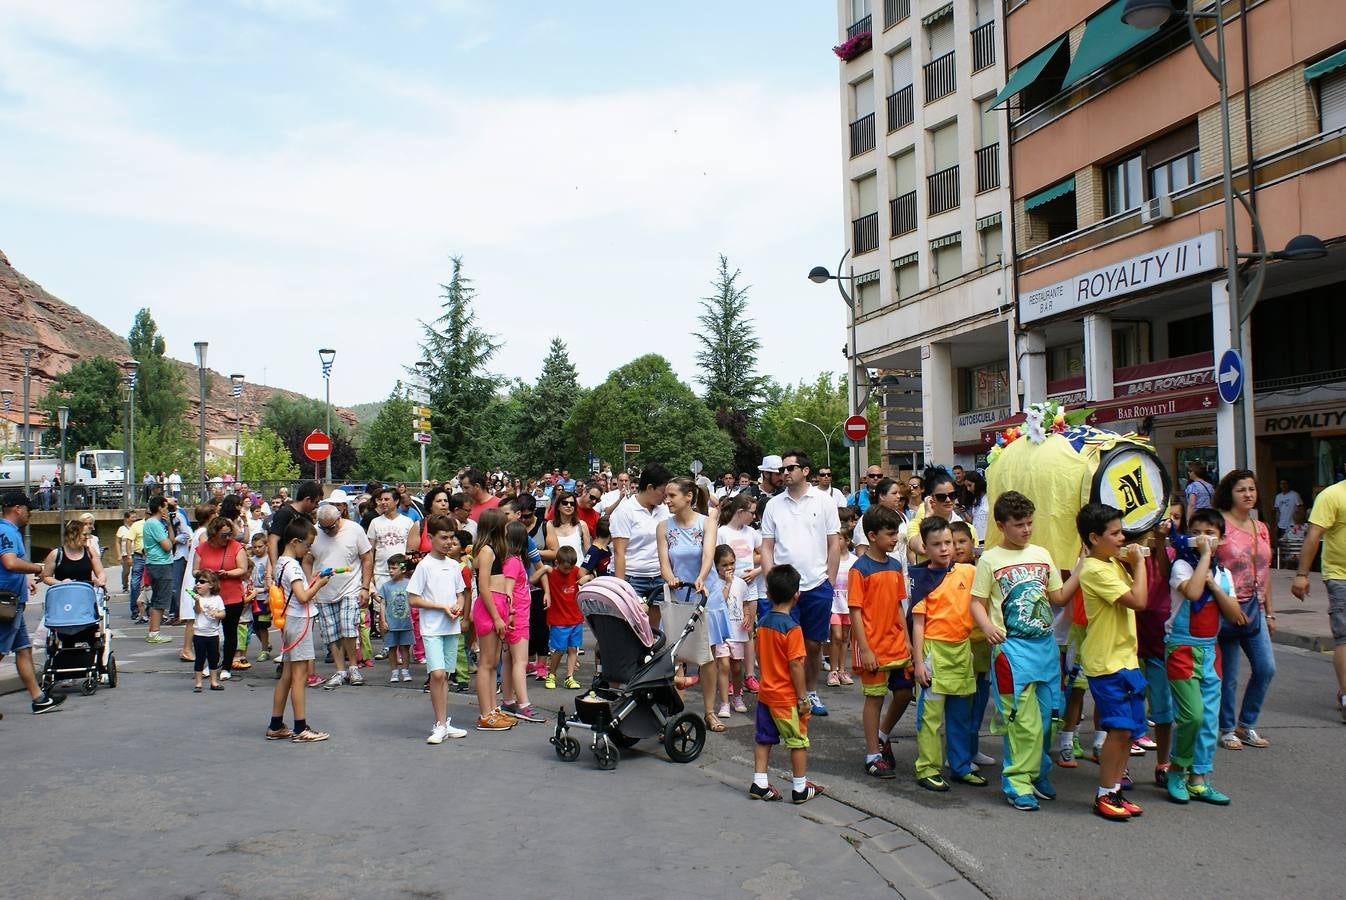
565, 528
891, 494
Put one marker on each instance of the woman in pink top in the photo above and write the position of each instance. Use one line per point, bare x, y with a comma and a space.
1246, 553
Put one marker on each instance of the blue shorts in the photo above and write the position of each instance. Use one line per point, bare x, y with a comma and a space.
441, 652
399, 638
1157, 693
14, 636
564, 637
1119, 700
650, 590
813, 612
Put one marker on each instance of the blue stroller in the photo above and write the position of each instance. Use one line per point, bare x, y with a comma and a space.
75, 616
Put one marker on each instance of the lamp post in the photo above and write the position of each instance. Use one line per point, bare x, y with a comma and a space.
131, 366
27, 440
1148, 14
827, 436
237, 379
819, 275
201, 374
63, 417
326, 355
423, 371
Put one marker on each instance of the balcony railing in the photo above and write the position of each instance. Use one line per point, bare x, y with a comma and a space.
860, 27
942, 190
983, 46
895, 11
865, 233
900, 112
862, 135
902, 210
988, 167
941, 77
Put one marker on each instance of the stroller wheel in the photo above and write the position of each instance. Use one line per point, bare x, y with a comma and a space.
89, 686
111, 671
567, 748
685, 737
605, 753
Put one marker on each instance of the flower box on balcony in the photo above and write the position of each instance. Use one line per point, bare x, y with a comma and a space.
853, 47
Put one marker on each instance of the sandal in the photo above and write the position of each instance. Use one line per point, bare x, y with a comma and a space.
714, 724
1230, 741
186, 658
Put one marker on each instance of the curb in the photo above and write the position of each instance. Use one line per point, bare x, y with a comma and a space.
1316, 642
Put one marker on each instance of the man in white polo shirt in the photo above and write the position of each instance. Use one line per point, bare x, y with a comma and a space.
825, 486
800, 526
635, 551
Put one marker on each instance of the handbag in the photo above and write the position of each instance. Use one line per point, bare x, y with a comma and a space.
673, 619
1252, 607
9, 606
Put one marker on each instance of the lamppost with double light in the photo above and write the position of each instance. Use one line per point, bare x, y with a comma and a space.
237, 379
27, 439
131, 366
326, 355
819, 275
201, 374
63, 419
827, 436
1149, 14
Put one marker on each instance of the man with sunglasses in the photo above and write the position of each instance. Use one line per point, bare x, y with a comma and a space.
825, 486
868, 492
941, 500
342, 544
587, 510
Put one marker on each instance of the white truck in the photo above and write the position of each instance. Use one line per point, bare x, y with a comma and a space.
92, 477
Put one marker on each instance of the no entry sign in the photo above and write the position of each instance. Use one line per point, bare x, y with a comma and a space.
856, 428
317, 446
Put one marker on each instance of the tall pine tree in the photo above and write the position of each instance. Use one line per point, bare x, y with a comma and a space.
539, 429
727, 363
161, 398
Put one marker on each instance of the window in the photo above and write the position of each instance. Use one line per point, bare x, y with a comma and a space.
904, 172
983, 11
1174, 175
1192, 335
1065, 362
983, 387
988, 123
863, 97
947, 258
1130, 344
944, 147
939, 32
992, 240
908, 276
859, 9
899, 67
868, 190
1332, 101
869, 296
1123, 185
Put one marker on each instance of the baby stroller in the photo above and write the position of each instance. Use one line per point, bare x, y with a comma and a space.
75, 617
633, 696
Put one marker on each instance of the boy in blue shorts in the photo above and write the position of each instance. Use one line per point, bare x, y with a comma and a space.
1108, 656
395, 619
565, 625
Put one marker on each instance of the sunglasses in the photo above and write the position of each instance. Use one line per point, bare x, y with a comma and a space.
824, 474
595, 497
873, 474
566, 503
944, 497
203, 581
785, 470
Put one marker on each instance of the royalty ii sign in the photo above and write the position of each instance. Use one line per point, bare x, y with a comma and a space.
1160, 266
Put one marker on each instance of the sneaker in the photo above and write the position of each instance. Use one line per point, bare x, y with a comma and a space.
1110, 807
751, 684
981, 759
336, 681
530, 669
46, 703
1230, 741
550, 682
571, 684
451, 731
354, 677
1024, 803
395, 677
494, 721
1175, 783
225, 676
768, 793
816, 705
879, 768
366, 663
1137, 748
309, 736
1251, 738
834, 679
846, 678
1094, 753
1133, 808
406, 674
263, 656
827, 664
1043, 789
1207, 793
314, 680
279, 734
1075, 747
524, 713
971, 778
1161, 774
541, 673
1065, 758
934, 783
723, 711
157, 639
886, 751
1127, 783
240, 664
739, 705
438, 734
1145, 742
381, 655
810, 791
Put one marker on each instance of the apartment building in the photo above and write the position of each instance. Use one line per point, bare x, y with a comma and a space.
925, 185
1116, 165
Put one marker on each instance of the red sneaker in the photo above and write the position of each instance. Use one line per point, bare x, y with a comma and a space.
751, 684
1110, 807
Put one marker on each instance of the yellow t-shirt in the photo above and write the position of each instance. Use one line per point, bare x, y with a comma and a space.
1110, 637
1329, 514
138, 536
1015, 584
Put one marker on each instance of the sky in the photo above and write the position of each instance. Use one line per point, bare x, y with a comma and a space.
276, 176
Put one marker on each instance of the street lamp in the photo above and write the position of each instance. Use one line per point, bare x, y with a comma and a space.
201, 374
827, 436
237, 379
63, 417
423, 371
820, 275
27, 440
129, 444
325, 356
1149, 14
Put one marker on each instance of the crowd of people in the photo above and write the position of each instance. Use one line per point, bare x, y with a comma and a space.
806, 587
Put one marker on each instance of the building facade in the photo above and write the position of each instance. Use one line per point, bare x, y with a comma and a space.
1118, 222
925, 186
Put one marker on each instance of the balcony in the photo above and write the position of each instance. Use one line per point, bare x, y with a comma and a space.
983, 46
862, 135
861, 27
988, 168
902, 212
942, 190
941, 78
865, 233
900, 111
895, 11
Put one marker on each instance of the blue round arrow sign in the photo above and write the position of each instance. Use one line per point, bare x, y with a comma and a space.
1229, 376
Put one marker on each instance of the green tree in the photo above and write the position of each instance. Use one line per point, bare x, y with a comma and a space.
461, 388
823, 403
295, 418
163, 447
389, 452
92, 390
539, 429
264, 457
160, 395
643, 402
727, 359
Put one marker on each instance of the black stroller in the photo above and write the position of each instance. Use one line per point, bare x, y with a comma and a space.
633, 696
78, 645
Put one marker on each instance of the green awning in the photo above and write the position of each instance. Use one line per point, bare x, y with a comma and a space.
990, 221
1325, 66
867, 277
948, 239
906, 260
1028, 71
938, 14
1050, 194
1106, 37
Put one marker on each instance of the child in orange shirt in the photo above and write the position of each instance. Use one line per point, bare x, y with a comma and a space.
782, 703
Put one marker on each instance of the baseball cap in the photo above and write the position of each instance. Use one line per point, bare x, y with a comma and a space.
15, 498
771, 463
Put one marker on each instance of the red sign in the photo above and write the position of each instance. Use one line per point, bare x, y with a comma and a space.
856, 428
317, 446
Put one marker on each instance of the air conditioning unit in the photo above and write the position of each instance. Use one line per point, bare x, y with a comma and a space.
1156, 209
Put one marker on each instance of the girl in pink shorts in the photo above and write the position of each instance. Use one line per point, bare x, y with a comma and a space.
490, 615
839, 651
514, 678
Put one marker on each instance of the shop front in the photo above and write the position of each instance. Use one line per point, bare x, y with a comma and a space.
1301, 437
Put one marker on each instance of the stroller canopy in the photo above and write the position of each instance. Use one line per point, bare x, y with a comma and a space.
70, 604
609, 596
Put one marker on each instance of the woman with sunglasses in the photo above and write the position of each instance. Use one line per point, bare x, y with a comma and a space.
228, 559
565, 529
941, 499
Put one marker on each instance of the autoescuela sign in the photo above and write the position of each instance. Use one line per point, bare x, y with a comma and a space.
1159, 266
